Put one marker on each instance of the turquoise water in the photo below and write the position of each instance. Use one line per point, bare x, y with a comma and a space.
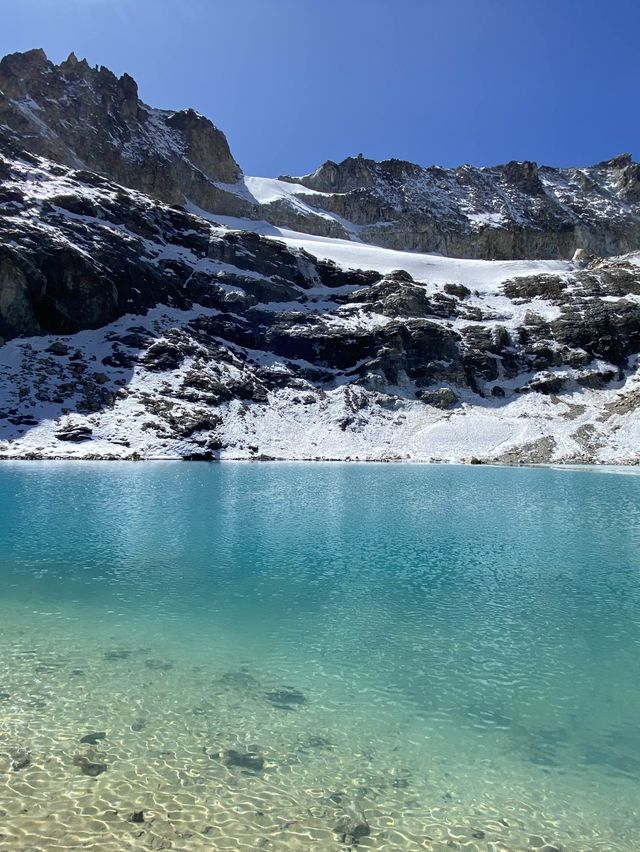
447, 654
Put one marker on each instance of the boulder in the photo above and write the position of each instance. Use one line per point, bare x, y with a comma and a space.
443, 398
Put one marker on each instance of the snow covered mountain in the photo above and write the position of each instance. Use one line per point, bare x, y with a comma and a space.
134, 329
157, 303
88, 118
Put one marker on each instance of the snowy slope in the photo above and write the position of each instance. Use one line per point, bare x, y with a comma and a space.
427, 268
172, 335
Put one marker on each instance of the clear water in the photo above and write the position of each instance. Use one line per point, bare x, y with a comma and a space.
461, 648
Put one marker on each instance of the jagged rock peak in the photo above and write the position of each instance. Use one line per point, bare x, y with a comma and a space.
355, 173
621, 161
87, 117
17, 69
72, 62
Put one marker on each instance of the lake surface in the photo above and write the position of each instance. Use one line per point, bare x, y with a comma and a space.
450, 655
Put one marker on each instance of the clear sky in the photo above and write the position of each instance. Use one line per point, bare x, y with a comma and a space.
295, 82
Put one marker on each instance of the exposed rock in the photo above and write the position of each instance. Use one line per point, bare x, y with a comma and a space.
58, 348
581, 257
535, 452
75, 433
457, 290
549, 287
515, 210
548, 384
135, 329
88, 118
443, 398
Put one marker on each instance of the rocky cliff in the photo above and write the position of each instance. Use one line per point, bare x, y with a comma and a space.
135, 329
88, 118
518, 210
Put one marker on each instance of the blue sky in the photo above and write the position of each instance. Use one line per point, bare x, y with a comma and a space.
295, 82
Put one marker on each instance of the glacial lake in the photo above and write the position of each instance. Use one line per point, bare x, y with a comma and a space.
239, 656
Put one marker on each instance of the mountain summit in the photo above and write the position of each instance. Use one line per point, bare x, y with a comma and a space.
88, 118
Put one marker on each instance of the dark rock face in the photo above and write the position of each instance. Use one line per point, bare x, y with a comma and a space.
86, 263
74, 433
443, 398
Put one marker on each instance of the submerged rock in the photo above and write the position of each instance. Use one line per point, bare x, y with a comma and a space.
117, 654
90, 764
244, 760
316, 741
136, 816
93, 737
239, 680
351, 828
159, 665
20, 758
285, 696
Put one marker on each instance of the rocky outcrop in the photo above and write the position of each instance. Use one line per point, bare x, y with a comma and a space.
78, 251
88, 118
519, 210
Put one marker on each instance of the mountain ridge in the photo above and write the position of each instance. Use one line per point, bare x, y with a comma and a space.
87, 117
